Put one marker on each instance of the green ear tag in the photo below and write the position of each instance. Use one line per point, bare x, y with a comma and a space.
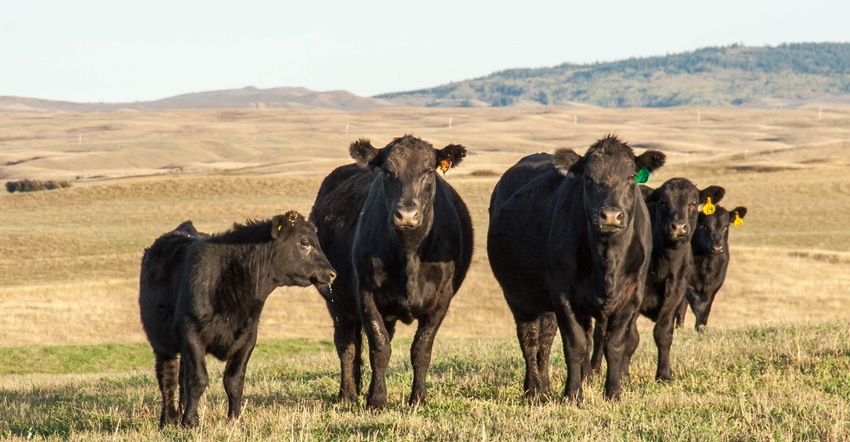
642, 176
738, 220
708, 209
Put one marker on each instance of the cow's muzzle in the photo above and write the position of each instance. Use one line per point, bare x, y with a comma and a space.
323, 277
610, 219
678, 229
407, 217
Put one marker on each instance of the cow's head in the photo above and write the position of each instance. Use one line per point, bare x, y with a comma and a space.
675, 207
607, 172
712, 232
407, 173
296, 257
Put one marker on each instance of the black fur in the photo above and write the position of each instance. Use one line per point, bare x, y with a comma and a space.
673, 210
569, 242
201, 294
710, 246
401, 240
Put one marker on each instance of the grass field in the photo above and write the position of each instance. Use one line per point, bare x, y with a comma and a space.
772, 366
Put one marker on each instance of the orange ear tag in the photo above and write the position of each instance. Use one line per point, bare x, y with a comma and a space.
445, 165
709, 208
738, 220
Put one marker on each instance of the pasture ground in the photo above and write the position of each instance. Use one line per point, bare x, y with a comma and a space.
772, 365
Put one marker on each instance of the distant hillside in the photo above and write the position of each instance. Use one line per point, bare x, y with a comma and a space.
786, 76
249, 97
791, 75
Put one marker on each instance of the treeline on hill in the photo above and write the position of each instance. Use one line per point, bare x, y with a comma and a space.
34, 185
734, 75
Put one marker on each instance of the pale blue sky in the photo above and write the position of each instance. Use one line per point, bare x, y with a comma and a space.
124, 51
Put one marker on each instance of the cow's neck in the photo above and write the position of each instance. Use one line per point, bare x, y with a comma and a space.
251, 259
616, 256
409, 242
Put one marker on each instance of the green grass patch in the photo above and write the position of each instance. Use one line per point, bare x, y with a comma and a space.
784, 382
76, 359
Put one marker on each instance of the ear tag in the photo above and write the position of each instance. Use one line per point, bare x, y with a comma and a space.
642, 176
738, 220
279, 228
445, 165
709, 208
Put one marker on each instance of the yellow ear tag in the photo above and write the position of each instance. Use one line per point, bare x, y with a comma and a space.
445, 165
708, 209
279, 228
738, 220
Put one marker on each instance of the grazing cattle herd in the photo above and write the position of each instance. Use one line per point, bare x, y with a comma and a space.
576, 242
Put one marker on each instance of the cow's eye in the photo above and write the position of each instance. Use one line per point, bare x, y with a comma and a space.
305, 243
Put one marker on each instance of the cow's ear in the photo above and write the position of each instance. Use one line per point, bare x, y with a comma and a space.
716, 194
567, 160
649, 194
363, 152
738, 212
284, 225
652, 160
449, 156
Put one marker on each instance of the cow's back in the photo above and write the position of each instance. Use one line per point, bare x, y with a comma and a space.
520, 216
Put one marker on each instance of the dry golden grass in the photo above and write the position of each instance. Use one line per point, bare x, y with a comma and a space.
70, 257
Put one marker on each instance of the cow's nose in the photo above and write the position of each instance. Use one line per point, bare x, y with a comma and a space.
406, 217
678, 228
717, 248
611, 217
332, 276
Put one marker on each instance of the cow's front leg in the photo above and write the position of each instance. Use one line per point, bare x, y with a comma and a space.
420, 351
574, 337
616, 340
380, 350
234, 376
663, 334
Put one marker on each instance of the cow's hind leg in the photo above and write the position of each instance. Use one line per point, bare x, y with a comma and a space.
167, 376
632, 340
234, 376
195, 380
598, 347
681, 310
528, 333
547, 328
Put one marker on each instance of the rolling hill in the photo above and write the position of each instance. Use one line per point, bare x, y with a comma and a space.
788, 76
244, 98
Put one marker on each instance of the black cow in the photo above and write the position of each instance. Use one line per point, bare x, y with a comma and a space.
673, 210
710, 246
401, 240
569, 241
201, 294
